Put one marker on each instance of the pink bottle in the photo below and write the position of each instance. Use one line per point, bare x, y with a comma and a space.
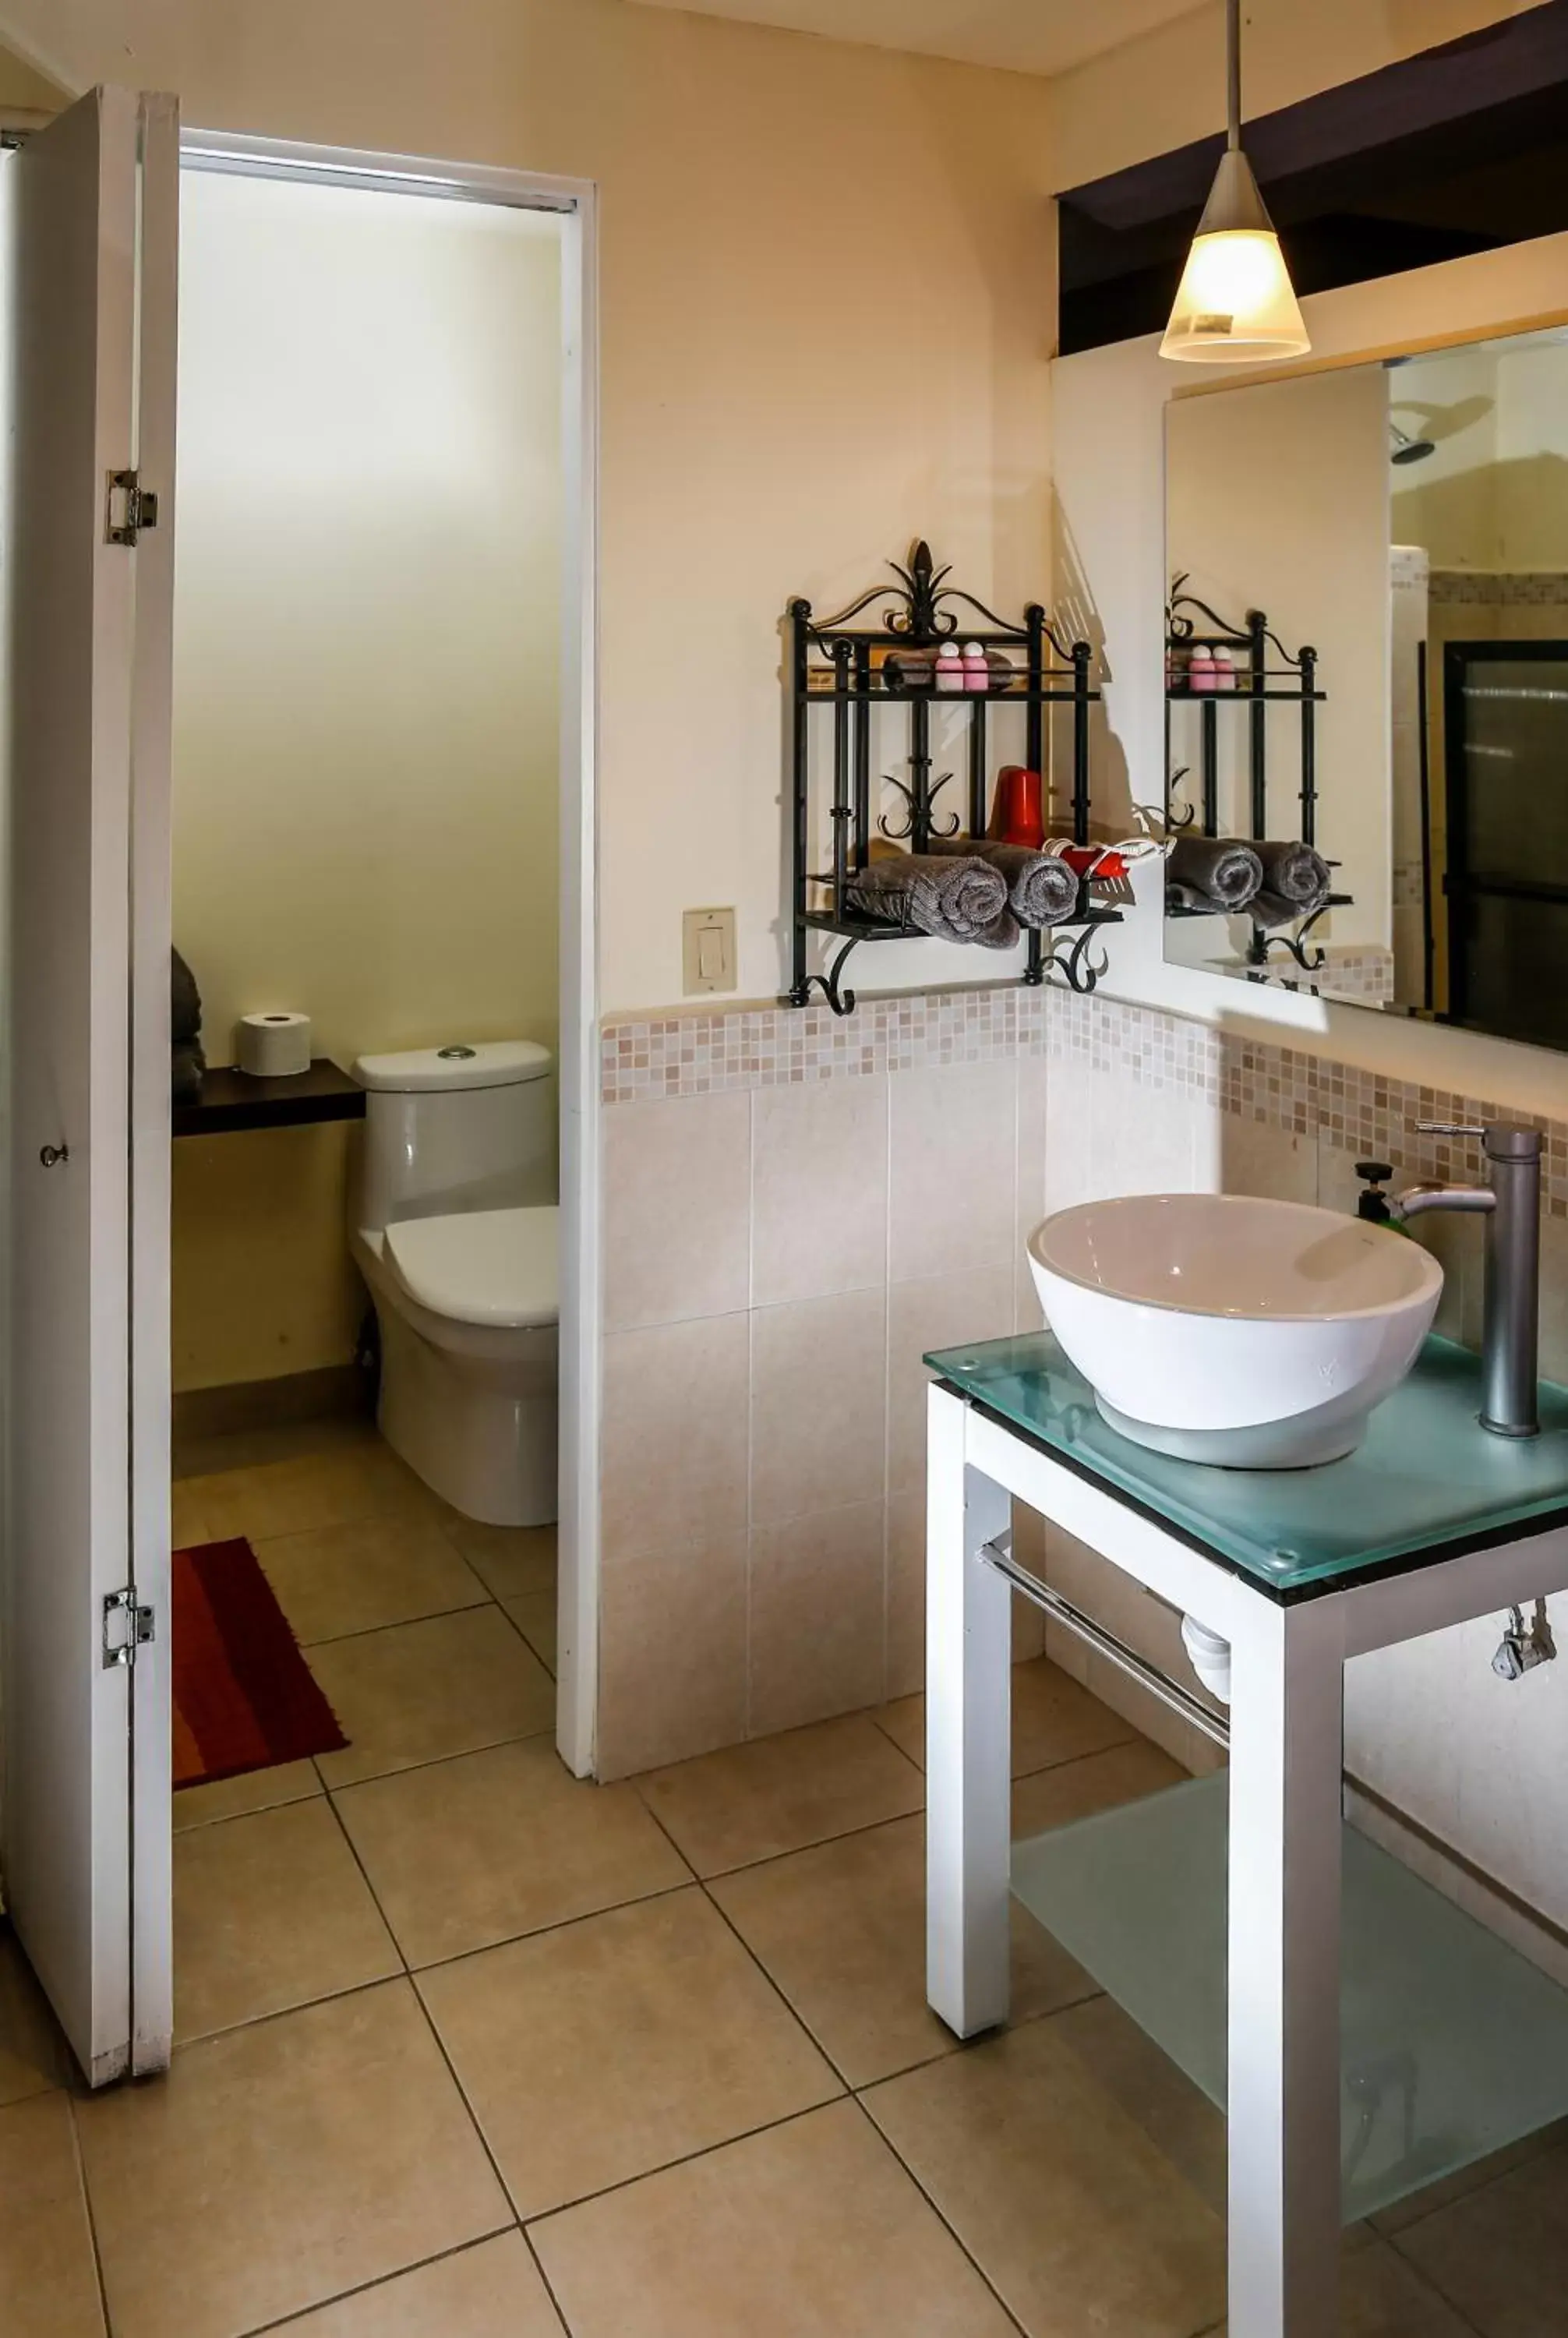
976, 667
1201, 672
949, 667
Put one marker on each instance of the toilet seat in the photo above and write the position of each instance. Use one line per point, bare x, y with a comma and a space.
499, 1268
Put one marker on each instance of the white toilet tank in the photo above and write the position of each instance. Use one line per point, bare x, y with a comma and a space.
456, 1128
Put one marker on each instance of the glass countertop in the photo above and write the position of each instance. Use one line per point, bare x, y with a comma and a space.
1452, 2044
1430, 1482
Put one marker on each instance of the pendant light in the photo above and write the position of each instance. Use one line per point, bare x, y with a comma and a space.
1236, 304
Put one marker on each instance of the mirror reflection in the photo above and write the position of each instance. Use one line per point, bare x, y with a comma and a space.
1366, 684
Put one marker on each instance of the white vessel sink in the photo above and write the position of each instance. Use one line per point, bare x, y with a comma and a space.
1218, 1328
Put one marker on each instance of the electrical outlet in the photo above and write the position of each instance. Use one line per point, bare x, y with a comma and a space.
708, 950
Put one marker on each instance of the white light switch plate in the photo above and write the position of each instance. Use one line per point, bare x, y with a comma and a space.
708, 950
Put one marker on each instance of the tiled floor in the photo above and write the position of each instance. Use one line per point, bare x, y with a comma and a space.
468, 2050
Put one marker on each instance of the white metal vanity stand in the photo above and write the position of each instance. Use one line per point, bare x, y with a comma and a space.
1496, 1534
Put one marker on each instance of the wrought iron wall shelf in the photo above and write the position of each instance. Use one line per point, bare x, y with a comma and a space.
1259, 685
837, 666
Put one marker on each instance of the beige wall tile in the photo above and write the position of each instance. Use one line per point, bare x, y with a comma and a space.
280, 2165
1077, 2217
1145, 1139
271, 1911
48, 2284
1033, 1142
841, 1929
493, 2291
671, 1654
420, 1692
471, 1852
1069, 1133
1554, 1299
780, 1793
598, 2052
819, 1398
817, 1618
819, 1189
907, 1592
813, 2226
939, 1312
676, 1209
1272, 1163
952, 1141
674, 1444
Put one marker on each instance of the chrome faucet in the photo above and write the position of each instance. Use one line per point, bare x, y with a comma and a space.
1511, 1318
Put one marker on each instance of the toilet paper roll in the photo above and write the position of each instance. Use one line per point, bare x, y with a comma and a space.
272, 1046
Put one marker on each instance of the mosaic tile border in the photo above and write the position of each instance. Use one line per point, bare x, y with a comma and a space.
1361, 1112
1492, 587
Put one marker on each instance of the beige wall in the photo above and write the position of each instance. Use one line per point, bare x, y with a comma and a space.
826, 317
1277, 498
367, 621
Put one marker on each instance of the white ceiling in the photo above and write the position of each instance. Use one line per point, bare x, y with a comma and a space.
1042, 36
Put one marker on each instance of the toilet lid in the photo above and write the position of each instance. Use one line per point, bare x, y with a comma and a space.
483, 1266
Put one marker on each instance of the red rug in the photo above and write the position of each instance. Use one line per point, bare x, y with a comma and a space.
244, 1697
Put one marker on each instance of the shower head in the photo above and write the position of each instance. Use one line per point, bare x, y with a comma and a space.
1405, 450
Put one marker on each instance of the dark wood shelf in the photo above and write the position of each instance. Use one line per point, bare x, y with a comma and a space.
232, 1100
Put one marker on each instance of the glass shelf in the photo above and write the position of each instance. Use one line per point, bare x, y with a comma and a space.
1453, 2045
1428, 1483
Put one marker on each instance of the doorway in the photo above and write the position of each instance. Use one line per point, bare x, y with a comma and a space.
256, 813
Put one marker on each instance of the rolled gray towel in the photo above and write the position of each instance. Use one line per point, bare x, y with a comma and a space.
951, 900
1042, 890
1211, 872
1297, 881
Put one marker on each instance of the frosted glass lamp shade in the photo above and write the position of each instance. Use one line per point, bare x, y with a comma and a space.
1236, 304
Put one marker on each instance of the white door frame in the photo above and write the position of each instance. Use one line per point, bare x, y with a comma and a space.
576, 201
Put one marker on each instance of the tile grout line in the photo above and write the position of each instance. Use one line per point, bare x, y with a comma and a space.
383, 2281
956, 2239
81, 2163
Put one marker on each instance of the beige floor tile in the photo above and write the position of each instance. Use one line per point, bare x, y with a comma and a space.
420, 1692
1096, 1782
812, 2230
599, 2052
48, 2284
281, 2165
1075, 2215
1381, 2296
1054, 1719
271, 1911
491, 2291
780, 1793
34, 2055
509, 1561
470, 1852
534, 1614
1500, 2255
1176, 2116
257, 1790
841, 1929
337, 1488
357, 1578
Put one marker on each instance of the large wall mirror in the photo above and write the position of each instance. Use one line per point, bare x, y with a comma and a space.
1366, 684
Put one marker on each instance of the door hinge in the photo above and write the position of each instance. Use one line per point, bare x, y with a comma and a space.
127, 1626
130, 508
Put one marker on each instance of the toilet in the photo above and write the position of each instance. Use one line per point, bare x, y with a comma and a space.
453, 1225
